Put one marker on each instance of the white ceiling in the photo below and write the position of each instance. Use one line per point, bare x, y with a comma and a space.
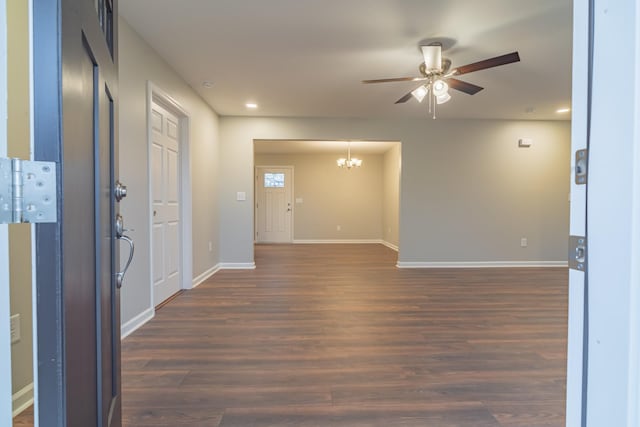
306, 58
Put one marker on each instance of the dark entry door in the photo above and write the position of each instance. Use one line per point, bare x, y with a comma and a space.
75, 90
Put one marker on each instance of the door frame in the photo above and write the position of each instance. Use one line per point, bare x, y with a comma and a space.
603, 372
161, 97
255, 200
5, 311
575, 381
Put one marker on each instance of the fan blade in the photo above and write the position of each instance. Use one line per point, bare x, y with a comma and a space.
487, 63
397, 79
465, 87
404, 99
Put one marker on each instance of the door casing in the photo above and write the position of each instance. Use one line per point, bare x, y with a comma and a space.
5, 340
157, 95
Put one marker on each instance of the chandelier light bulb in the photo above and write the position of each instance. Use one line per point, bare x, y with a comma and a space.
349, 162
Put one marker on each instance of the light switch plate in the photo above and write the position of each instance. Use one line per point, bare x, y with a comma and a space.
241, 196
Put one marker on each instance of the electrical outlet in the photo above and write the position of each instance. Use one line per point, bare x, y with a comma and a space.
523, 242
210, 246
338, 228
15, 328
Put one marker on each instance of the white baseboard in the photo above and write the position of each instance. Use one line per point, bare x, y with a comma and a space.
204, 276
345, 242
483, 264
22, 399
389, 245
132, 325
237, 266
336, 241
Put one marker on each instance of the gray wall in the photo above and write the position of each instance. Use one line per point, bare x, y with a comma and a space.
139, 63
333, 196
468, 193
18, 146
391, 195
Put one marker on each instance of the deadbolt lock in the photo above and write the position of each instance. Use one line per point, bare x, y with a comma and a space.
120, 191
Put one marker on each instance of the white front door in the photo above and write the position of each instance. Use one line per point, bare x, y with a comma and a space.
165, 197
274, 206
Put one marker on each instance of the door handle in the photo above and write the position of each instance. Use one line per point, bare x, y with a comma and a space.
120, 274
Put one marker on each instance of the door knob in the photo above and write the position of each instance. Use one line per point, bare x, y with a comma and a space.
120, 191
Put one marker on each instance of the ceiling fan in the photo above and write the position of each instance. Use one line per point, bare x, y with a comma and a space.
438, 76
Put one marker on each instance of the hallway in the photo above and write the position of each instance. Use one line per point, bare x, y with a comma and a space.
336, 335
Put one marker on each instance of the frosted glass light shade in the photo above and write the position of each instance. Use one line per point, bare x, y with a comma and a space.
443, 98
420, 93
440, 88
432, 57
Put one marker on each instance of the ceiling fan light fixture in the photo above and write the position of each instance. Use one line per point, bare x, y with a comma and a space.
443, 98
420, 93
432, 57
440, 88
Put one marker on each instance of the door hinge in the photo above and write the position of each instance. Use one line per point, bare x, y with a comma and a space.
578, 253
27, 191
581, 166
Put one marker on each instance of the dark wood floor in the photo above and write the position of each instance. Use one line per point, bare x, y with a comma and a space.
336, 335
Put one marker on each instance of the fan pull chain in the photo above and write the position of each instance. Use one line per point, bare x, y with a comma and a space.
434, 104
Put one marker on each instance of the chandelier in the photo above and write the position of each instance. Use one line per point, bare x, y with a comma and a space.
349, 162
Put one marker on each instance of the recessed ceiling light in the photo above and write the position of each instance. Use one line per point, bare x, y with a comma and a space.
207, 84
251, 105
563, 110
